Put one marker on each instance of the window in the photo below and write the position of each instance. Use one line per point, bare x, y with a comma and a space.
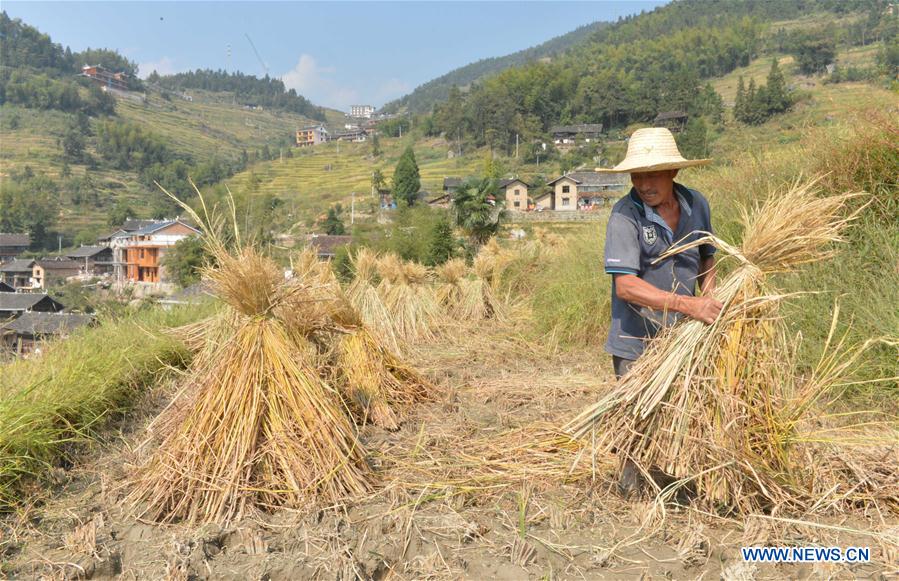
566, 201
141, 252
566, 189
517, 192
517, 204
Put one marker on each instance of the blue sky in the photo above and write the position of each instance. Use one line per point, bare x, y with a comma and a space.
334, 53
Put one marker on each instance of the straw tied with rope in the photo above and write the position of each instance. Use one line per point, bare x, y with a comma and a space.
650, 291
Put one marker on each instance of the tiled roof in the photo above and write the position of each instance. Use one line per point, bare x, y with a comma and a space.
46, 323
506, 183
87, 251
18, 265
592, 178
664, 116
5, 288
15, 240
24, 301
452, 182
582, 128
58, 264
326, 244
159, 226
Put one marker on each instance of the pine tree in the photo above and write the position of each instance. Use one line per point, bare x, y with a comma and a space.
750, 106
777, 96
740, 102
442, 243
406, 179
375, 145
333, 224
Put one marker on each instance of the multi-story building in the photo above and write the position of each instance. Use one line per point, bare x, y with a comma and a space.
312, 135
93, 260
104, 78
142, 250
48, 272
515, 193
580, 190
362, 111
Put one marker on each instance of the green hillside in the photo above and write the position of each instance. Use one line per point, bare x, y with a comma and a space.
424, 97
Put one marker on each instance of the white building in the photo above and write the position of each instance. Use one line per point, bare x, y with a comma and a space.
362, 111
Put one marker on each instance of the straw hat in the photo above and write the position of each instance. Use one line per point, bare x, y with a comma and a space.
652, 149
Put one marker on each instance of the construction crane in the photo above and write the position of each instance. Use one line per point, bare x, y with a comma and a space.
261, 62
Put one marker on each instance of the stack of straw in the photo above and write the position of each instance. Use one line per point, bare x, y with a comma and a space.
256, 424
468, 298
409, 299
363, 295
721, 406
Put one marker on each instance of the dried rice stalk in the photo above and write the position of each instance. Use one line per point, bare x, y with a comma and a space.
720, 405
410, 301
377, 381
364, 297
263, 428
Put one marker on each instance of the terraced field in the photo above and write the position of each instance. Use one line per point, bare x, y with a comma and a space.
319, 176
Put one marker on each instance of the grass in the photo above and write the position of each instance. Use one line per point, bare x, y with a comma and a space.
69, 394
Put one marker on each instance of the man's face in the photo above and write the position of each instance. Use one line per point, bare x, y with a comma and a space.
654, 187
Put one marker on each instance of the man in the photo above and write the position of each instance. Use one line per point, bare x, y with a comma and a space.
656, 214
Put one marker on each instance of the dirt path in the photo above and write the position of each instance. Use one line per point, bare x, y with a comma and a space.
514, 525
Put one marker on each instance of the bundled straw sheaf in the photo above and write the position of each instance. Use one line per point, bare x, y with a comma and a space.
468, 298
409, 299
722, 407
255, 424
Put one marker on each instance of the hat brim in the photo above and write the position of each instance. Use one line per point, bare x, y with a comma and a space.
625, 167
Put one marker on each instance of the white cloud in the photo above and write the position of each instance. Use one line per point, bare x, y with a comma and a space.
164, 66
316, 84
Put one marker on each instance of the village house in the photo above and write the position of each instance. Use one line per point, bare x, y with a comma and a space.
17, 273
23, 335
117, 240
14, 304
326, 245
312, 135
11, 245
49, 272
144, 249
450, 185
106, 79
515, 193
5, 288
674, 120
568, 136
356, 135
93, 260
581, 190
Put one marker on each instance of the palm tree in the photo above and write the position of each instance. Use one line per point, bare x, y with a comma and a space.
477, 210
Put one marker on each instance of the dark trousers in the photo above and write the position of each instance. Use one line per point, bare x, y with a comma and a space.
621, 365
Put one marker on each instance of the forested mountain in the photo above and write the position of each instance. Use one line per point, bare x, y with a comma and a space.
646, 64
247, 89
424, 97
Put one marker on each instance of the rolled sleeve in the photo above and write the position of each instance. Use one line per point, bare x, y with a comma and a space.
622, 251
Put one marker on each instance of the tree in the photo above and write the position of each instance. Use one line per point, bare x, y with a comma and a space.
378, 182
119, 213
740, 101
442, 243
693, 141
778, 99
333, 224
477, 215
184, 261
375, 144
406, 179
73, 144
814, 51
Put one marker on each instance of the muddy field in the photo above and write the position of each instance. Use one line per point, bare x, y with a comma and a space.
453, 500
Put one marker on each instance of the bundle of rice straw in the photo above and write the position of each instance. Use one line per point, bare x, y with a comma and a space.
721, 405
380, 385
363, 295
409, 299
479, 295
263, 428
491, 261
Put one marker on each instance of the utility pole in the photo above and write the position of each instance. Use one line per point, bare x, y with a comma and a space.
353, 209
516, 146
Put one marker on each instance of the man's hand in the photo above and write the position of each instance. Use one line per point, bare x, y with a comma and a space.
705, 309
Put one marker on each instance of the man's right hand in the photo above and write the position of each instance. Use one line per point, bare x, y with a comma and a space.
705, 309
